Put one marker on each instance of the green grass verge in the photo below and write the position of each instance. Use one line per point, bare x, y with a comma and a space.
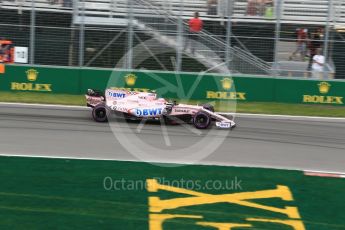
242, 107
37, 193
291, 109
42, 98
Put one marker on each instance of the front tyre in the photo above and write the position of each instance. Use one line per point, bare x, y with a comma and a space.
201, 120
100, 113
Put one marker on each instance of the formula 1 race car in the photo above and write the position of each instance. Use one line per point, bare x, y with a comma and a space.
145, 105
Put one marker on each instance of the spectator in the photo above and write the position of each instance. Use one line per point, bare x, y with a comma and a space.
318, 64
269, 11
195, 27
2, 50
212, 7
261, 7
320, 36
251, 8
314, 43
5, 53
321, 33
301, 43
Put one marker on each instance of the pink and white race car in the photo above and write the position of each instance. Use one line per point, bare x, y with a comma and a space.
145, 105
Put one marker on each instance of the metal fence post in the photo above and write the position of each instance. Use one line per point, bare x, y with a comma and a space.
279, 12
82, 35
32, 32
73, 33
130, 16
326, 41
228, 53
179, 39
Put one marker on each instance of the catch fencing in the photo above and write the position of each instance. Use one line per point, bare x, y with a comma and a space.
276, 38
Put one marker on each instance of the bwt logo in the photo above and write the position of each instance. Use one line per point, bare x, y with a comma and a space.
117, 95
149, 112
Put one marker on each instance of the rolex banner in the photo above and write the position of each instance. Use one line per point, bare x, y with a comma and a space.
310, 92
183, 85
174, 86
40, 79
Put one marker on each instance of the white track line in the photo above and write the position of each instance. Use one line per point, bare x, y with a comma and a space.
289, 116
43, 105
267, 116
324, 174
307, 172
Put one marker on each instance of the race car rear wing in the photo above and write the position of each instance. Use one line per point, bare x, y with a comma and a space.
94, 93
94, 97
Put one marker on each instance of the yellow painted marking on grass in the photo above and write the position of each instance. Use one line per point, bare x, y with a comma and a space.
193, 198
223, 226
156, 220
198, 198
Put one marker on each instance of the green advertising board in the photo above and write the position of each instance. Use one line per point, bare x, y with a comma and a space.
310, 92
93, 79
184, 86
40, 79
173, 85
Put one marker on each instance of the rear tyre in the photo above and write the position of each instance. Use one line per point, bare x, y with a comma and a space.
201, 120
100, 113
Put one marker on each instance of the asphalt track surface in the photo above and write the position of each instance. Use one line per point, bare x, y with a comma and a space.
274, 142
